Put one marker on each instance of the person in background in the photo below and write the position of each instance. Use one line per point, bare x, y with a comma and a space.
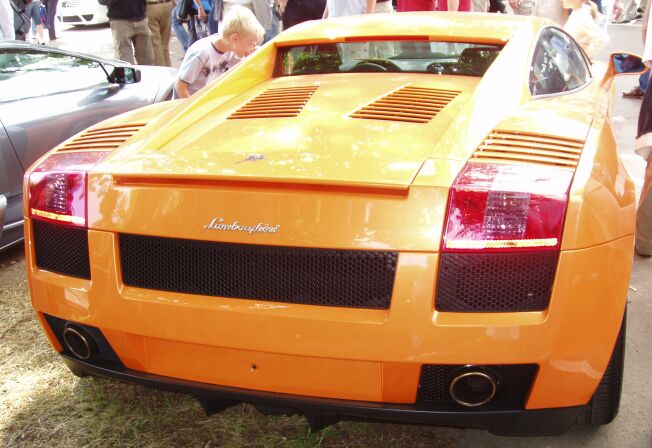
6, 21
416, 5
178, 25
131, 36
342, 8
585, 24
159, 14
50, 13
638, 91
551, 9
260, 8
454, 5
644, 149
33, 11
629, 12
211, 56
294, 12
522, 7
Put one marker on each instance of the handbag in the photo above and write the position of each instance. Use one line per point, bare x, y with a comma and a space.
186, 9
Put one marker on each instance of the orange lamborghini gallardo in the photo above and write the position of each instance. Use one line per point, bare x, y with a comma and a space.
417, 218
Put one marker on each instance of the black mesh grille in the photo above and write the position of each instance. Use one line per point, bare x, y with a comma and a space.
61, 249
105, 354
495, 282
346, 278
513, 385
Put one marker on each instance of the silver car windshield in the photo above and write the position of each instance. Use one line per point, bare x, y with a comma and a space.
29, 74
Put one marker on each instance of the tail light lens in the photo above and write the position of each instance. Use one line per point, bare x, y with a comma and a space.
57, 187
497, 207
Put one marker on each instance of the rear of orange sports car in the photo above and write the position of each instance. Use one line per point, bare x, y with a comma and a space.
442, 246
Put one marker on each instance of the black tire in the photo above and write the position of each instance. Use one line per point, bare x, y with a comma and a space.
604, 404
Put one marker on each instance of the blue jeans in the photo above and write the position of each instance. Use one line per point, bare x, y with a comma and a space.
180, 29
644, 80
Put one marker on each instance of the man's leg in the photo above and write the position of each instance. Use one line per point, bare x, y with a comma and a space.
179, 29
142, 39
154, 24
165, 26
51, 12
121, 31
644, 214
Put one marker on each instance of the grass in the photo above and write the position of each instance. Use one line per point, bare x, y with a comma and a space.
43, 404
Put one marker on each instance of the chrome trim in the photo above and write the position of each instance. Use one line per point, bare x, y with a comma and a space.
488, 377
13, 225
78, 334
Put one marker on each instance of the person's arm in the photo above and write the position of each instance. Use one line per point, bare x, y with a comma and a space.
325, 12
371, 6
181, 88
188, 72
200, 10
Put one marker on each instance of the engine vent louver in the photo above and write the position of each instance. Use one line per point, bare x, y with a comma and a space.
276, 103
409, 104
106, 138
510, 146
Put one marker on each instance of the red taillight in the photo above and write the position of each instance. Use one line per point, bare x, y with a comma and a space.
495, 207
57, 187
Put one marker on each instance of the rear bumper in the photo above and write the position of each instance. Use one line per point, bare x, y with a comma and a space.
321, 412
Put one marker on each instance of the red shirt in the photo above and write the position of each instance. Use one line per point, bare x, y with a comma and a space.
416, 5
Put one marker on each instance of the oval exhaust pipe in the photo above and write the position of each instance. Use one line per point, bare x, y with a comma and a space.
473, 388
78, 342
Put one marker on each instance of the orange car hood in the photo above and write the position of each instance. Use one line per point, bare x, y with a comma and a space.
322, 145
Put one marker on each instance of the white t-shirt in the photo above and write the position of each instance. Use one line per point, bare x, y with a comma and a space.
6, 21
341, 8
203, 63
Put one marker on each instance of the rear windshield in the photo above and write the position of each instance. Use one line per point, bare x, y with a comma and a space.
441, 58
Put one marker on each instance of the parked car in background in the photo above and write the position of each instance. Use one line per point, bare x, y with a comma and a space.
47, 95
81, 12
429, 227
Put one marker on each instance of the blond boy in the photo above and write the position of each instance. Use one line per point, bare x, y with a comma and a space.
211, 56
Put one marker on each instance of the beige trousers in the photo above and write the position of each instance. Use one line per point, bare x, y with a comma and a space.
159, 21
132, 38
644, 214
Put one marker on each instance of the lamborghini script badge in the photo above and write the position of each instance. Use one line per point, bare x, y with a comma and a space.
219, 224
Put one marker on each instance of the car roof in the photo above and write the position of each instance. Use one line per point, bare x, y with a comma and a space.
445, 26
22, 45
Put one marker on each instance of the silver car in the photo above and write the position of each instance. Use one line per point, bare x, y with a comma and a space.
46, 96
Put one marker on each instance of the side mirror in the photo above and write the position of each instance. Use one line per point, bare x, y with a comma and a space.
627, 64
124, 75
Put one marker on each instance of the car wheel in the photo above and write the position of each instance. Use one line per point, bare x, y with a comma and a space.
603, 407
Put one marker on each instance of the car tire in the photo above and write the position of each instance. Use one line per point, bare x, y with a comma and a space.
604, 404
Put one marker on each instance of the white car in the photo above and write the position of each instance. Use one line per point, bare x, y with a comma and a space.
81, 12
